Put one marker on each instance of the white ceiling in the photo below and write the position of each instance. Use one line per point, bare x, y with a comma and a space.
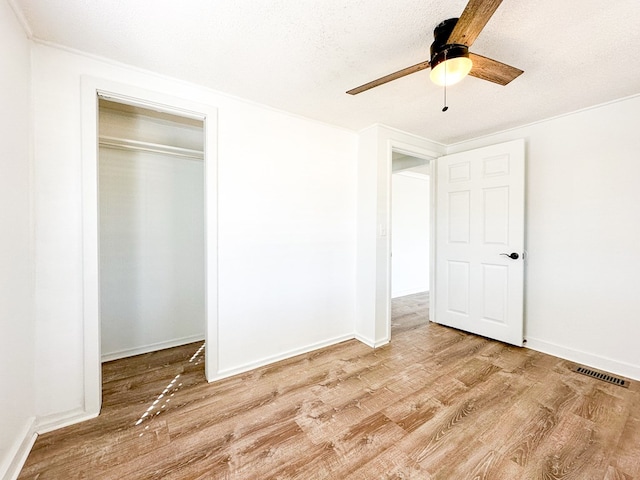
302, 55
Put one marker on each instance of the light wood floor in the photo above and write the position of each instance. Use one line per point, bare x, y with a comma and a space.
434, 404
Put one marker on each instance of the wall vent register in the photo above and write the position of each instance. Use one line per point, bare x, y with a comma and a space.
605, 377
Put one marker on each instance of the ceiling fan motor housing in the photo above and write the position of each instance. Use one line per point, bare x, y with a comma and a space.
440, 49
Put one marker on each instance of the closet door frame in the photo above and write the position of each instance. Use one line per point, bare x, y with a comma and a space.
92, 90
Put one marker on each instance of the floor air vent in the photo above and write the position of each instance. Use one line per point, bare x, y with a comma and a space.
601, 376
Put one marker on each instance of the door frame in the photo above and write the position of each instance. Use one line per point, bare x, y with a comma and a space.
431, 156
92, 89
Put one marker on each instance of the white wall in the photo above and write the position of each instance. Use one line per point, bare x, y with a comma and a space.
287, 215
287, 212
582, 235
151, 233
409, 233
17, 409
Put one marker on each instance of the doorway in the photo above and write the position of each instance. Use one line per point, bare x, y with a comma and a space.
151, 229
93, 90
410, 240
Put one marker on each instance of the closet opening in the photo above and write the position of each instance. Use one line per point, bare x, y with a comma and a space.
151, 230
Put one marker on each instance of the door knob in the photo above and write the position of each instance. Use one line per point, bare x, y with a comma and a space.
513, 256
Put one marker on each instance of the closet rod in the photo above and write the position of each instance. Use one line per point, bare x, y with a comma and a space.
137, 145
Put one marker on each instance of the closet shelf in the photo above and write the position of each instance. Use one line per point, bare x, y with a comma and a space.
128, 144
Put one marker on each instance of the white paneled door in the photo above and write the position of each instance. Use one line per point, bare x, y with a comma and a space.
480, 241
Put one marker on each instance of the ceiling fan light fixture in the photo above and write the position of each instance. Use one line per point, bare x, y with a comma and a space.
450, 65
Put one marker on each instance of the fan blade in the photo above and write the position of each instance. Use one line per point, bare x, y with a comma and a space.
492, 70
473, 19
388, 78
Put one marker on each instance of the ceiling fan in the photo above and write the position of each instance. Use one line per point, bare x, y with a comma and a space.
450, 58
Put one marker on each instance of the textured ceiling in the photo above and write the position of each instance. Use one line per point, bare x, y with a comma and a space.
302, 55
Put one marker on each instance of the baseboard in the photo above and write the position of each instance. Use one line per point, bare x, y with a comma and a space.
107, 357
49, 423
17, 454
371, 343
276, 358
590, 360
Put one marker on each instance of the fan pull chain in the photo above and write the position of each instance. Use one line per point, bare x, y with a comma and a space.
445, 108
